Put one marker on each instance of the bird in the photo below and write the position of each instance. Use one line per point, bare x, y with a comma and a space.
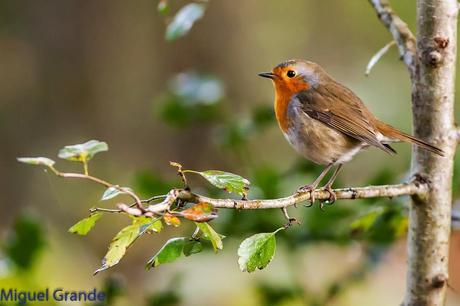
326, 122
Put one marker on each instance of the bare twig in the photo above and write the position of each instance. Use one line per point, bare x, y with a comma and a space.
290, 221
146, 201
180, 172
136, 198
170, 199
401, 33
134, 211
154, 198
101, 209
377, 56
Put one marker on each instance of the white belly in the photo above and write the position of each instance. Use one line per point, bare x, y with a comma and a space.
318, 142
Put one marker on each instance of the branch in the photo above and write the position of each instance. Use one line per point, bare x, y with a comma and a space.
433, 101
401, 33
390, 191
417, 187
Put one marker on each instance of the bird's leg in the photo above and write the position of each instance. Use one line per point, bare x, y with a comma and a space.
328, 186
311, 187
291, 221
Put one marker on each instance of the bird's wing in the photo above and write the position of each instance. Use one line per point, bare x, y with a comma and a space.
339, 108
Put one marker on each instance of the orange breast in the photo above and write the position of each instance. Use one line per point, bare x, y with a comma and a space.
283, 96
281, 104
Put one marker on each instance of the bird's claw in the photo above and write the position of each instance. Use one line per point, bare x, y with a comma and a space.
308, 188
332, 197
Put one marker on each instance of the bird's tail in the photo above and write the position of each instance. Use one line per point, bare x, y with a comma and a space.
393, 133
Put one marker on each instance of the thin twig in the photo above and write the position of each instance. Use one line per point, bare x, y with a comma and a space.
151, 199
111, 210
377, 56
101, 209
400, 31
169, 200
285, 213
181, 174
86, 177
290, 221
137, 200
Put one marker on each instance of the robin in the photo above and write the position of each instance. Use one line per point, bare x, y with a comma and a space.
326, 122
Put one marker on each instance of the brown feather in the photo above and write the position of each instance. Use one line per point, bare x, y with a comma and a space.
392, 133
338, 107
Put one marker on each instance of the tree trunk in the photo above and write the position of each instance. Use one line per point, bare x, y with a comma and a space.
433, 112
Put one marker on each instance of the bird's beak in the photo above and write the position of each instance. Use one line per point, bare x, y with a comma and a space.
267, 75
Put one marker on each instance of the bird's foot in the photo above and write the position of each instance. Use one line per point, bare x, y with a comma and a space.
332, 197
308, 188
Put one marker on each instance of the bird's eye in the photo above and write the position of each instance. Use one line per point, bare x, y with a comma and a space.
290, 73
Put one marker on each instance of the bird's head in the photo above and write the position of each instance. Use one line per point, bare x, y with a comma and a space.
294, 76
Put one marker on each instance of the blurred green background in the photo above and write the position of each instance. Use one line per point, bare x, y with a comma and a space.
78, 70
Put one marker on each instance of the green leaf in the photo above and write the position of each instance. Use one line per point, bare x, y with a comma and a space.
42, 161
113, 287
157, 226
193, 99
262, 116
179, 113
171, 251
119, 245
82, 152
257, 251
225, 180
365, 221
192, 246
381, 226
24, 242
195, 90
83, 226
212, 235
112, 192
147, 223
168, 297
184, 20
124, 239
